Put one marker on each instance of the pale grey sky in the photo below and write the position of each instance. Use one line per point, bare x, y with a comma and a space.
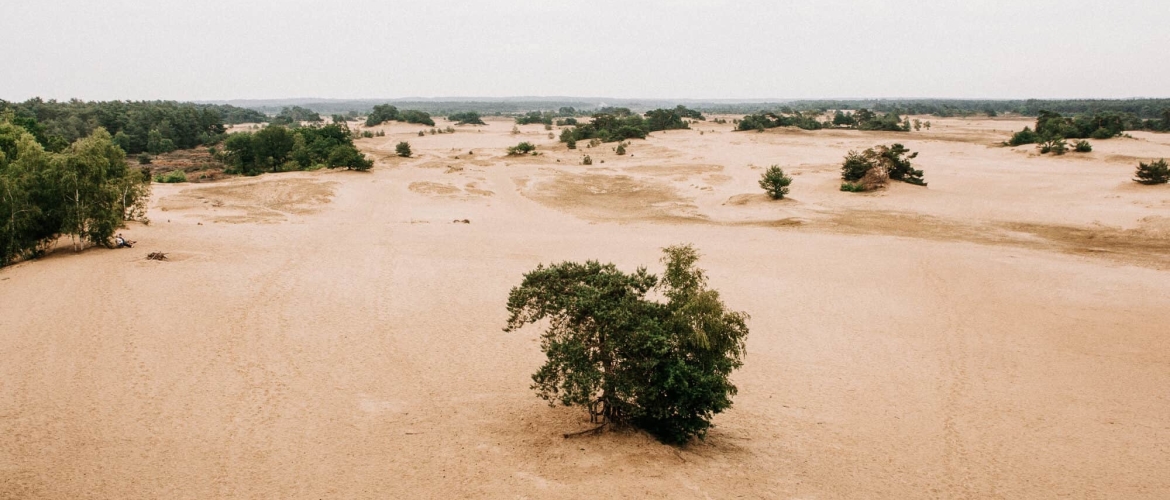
229, 49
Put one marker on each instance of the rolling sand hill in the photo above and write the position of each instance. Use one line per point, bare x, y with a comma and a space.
1002, 333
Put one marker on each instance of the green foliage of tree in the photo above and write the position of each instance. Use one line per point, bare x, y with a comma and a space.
276, 148
521, 149
466, 118
136, 126
869, 169
766, 120
629, 360
382, 113
670, 119
774, 182
294, 115
417, 117
1056, 146
1026, 136
531, 117
403, 149
1155, 172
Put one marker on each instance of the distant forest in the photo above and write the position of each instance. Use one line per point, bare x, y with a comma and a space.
1141, 108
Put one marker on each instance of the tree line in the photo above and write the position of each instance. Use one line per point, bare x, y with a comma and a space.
619, 124
276, 148
85, 191
135, 126
383, 113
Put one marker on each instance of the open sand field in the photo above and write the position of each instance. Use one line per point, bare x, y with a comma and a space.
1002, 333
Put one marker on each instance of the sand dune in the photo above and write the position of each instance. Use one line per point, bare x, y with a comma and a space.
1001, 333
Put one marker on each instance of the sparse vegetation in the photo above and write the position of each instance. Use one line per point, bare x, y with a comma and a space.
1155, 172
872, 168
628, 360
1056, 146
774, 182
172, 177
521, 149
1083, 146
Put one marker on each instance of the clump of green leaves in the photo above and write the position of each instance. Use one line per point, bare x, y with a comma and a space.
870, 169
1056, 146
521, 149
625, 358
1082, 146
402, 149
1155, 172
774, 182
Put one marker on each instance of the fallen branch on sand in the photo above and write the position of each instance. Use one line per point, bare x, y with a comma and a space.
156, 256
461, 221
595, 430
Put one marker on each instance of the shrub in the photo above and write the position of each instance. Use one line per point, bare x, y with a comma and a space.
627, 359
422, 133
620, 149
571, 144
466, 118
1155, 172
1056, 146
586, 160
403, 149
521, 149
1083, 146
172, 177
851, 187
870, 169
145, 159
1026, 136
774, 182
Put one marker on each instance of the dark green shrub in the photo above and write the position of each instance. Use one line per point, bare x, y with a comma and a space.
1056, 146
620, 149
1026, 136
625, 358
871, 168
144, 159
850, 187
571, 144
521, 149
172, 177
1082, 146
1155, 172
774, 182
466, 118
403, 149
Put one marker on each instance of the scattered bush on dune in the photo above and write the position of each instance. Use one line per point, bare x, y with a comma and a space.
521, 149
172, 177
402, 149
1155, 172
872, 168
774, 182
1083, 146
625, 358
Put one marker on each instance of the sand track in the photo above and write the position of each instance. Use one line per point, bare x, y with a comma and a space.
998, 334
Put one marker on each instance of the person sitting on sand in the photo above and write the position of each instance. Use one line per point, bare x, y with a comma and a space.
120, 242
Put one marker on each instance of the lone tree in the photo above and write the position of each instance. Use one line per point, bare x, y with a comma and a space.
1155, 172
629, 360
521, 149
402, 149
775, 182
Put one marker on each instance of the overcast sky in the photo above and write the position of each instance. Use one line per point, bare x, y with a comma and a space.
233, 49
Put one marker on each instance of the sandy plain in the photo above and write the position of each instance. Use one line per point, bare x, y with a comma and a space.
1001, 333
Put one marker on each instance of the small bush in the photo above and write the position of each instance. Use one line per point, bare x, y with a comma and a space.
1026, 136
144, 159
774, 182
1155, 172
586, 160
850, 187
620, 149
521, 149
172, 177
403, 149
1055, 146
422, 133
1083, 147
571, 144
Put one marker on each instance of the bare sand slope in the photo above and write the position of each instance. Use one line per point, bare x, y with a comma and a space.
1002, 333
